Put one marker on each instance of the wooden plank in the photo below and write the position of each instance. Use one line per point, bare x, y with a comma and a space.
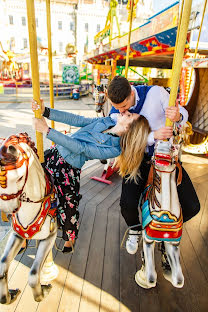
197, 278
94, 269
51, 303
19, 280
74, 281
129, 290
148, 297
110, 293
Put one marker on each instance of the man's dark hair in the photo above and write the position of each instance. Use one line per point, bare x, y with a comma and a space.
119, 89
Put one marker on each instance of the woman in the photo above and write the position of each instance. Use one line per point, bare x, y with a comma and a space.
98, 138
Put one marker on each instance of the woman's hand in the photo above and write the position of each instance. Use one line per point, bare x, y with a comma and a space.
36, 106
40, 125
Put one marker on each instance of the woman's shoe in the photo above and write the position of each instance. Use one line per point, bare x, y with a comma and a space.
68, 249
23, 248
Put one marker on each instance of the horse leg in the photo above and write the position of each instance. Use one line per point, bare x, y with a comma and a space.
13, 245
175, 276
146, 277
45, 246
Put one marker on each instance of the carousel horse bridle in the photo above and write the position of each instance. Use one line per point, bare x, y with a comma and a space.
10, 162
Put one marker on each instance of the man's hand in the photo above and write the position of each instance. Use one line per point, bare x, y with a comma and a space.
36, 106
40, 125
172, 113
163, 133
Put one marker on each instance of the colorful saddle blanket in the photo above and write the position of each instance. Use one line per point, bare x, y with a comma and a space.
160, 225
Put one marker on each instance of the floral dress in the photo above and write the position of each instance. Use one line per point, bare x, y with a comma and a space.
67, 183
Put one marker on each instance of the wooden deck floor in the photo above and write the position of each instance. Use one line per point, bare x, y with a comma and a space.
99, 276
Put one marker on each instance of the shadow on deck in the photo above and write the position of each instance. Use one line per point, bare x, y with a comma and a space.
99, 276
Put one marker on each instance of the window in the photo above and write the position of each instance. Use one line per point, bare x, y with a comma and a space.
60, 25
24, 43
11, 21
98, 27
60, 46
12, 43
36, 21
72, 26
23, 21
86, 26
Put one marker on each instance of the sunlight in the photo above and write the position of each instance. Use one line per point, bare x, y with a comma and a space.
194, 159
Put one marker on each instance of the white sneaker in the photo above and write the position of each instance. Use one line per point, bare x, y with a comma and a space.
132, 242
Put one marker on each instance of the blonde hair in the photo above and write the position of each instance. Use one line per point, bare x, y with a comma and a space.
133, 144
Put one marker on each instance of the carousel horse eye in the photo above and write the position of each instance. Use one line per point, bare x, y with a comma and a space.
12, 150
20, 179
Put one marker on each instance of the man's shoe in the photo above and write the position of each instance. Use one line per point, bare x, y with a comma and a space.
132, 242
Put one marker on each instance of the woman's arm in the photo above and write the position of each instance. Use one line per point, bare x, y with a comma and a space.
63, 117
89, 149
70, 119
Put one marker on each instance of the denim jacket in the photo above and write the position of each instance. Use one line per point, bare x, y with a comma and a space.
89, 142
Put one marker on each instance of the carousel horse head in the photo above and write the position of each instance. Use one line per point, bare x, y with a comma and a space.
20, 169
161, 215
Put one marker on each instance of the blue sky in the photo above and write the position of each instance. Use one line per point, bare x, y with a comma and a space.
159, 5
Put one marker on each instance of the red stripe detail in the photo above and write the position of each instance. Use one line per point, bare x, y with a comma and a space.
36, 226
163, 234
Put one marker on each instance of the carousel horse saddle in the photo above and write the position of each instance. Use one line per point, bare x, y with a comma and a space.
160, 225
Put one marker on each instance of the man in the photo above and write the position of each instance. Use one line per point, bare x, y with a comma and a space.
152, 103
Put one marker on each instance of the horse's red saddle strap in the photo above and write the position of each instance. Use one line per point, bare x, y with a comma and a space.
151, 174
178, 165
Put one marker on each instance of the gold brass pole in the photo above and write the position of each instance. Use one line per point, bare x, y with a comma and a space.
179, 55
50, 63
129, 40
35, 70
178, 32
197, 44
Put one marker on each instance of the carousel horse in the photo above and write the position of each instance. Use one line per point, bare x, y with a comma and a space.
27, 195
162, 216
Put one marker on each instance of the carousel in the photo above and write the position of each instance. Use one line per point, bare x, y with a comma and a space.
99, 275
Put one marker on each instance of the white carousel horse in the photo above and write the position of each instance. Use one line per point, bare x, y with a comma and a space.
162, 217
25, 193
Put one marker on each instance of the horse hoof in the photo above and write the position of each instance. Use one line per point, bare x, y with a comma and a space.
141, 280
168, 276
46, 289
14, 294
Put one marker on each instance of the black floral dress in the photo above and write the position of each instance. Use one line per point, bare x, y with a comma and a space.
67, 182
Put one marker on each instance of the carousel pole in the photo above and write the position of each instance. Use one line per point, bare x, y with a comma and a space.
179, 50
35, 70
129, 40
197, 44
49, 271
50, 63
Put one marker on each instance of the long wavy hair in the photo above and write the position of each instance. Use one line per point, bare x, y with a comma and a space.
133, 144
